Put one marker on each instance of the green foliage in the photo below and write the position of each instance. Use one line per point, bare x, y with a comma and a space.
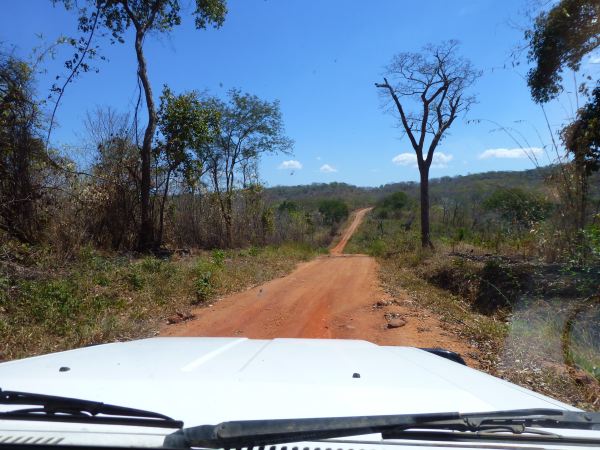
203, 286
592, 235
53, 304
148, 16
560, 38
377, 248
218, 257
248, 128
4, 285
151, 264
582, 137
333, 211
518, 207
392, 205
186, 126
267, 221
151, 15
288, 206
207, 275
460, 235
136, 280
308, 196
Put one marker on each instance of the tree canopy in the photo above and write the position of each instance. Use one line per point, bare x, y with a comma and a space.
582, 137
333, 211
517, 206
248, 127
560, 38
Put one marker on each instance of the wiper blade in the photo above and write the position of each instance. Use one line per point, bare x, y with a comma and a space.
265, 432
67, 409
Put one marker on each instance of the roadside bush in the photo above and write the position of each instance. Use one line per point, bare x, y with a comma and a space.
205, 280
203, 286
218, 258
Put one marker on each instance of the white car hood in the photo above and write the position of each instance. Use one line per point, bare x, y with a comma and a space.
210, 380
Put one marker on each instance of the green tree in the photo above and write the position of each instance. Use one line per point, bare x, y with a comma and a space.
333, 211
288, 206
186, 126
145, 16
392, 205
517, 207
582, 141
560, 38
248, 128
436, 80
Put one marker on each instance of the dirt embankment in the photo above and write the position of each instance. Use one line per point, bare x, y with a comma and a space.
334, 296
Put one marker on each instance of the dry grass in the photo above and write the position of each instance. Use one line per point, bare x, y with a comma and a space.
99, 298
526, 347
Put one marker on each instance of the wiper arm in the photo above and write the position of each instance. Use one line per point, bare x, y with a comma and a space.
67, 409
265, 432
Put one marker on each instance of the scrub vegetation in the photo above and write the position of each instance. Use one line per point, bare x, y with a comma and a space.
48, 305
531, 311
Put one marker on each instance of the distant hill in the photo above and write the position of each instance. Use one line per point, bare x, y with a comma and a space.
472, 186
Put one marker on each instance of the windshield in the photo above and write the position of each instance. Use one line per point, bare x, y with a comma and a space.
334, 207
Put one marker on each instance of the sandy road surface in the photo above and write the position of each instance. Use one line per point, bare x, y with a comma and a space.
332, 296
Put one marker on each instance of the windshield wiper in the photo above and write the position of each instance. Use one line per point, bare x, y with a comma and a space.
67, 409
266, 432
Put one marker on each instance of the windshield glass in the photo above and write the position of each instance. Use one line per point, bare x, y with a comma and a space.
397, 189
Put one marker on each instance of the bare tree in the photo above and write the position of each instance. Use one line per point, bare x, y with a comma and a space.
428, 89
110, 197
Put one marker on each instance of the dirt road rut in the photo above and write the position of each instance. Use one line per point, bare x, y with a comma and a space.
334, 296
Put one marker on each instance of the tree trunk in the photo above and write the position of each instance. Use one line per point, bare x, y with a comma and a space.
146, 232
425, 235
581, 176
229, 220
162, 210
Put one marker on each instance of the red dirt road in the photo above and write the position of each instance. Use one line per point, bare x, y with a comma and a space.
332, 296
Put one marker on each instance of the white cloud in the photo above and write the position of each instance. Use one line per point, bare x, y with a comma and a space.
595, 59
326, 168
510, 153
318, 158
440, 159
405, 159
291, 164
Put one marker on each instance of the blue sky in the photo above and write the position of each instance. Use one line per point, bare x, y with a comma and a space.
321, 60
